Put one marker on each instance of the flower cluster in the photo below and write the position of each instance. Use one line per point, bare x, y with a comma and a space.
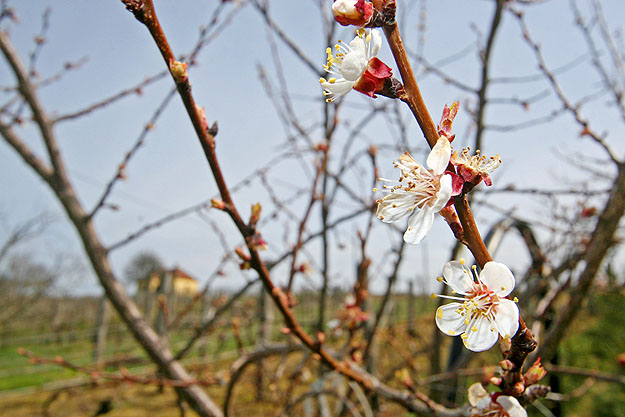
482, 313
354, 66
419, 192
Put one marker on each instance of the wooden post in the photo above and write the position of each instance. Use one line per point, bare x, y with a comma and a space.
163, 296
412, 302
101, 329
265, 320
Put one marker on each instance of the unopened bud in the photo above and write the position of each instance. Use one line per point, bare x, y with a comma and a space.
218, 204
504, 345
506, 364
202, 114
404, 377
179, 71
535, 373
242, 254
257, 242
352, 12
447, 119
495, 381
518, 388
321, 147
255, 216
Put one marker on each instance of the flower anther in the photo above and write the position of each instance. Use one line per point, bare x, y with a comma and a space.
476, 168
495, 405
482, 313
419, 192
354, 65
352, 12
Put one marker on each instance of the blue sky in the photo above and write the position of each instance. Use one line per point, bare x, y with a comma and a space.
170, 173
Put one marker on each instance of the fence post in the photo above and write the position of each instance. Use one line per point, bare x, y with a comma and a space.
163, 297
265, 321
101, 329
411, 310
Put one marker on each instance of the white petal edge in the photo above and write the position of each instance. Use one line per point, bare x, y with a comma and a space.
419, 224
458, 277
448, 321
338, 88
498, 278
444, 193
507, 318
394, 206
376, 43
438, 159
478, 396
512, 406
482, 339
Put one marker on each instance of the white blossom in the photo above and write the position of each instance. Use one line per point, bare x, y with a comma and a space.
420, 192
349, 63
482, 313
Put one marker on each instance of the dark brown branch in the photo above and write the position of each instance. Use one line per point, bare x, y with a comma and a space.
485, 57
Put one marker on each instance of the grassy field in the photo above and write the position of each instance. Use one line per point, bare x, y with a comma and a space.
49, 390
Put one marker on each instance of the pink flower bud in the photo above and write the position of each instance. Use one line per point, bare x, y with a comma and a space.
447, 119
352, 12
506, 364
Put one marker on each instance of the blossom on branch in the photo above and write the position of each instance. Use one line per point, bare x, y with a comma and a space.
495, 405
476, 168
352, 12
420, 192
482, 313
355, 66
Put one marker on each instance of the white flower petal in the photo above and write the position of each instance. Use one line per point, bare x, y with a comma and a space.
458, 277
338, 88
498, 278
507, 318
449, 321
444, 193
512, 406
479, 397
395, 206
358, 44
419, 224
409, 166
353, 65
438, 159
481, 336
376, 43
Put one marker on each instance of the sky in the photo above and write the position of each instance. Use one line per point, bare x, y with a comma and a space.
169, 173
